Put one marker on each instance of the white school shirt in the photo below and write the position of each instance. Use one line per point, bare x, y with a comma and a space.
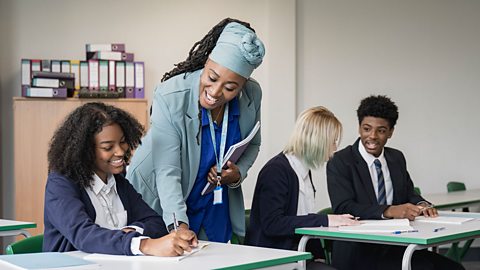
109, 209
369, 159
306, 196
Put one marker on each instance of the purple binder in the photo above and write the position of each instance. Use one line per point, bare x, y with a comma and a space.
139, 80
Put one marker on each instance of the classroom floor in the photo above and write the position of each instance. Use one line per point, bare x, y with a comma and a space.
471, 265
472, 259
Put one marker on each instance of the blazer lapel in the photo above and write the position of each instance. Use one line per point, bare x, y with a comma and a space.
364, 173
395, 176
247, 113
192, 122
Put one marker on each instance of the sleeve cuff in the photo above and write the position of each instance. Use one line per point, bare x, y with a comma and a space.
136, 228
135, 245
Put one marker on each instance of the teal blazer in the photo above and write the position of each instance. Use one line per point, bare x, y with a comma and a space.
164, 168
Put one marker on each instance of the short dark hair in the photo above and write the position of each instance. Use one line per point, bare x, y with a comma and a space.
378, 106
72, 147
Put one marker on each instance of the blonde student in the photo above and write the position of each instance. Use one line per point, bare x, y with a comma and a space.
284, 197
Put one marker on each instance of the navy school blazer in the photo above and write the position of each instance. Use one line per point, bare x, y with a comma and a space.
69, 219
273, 217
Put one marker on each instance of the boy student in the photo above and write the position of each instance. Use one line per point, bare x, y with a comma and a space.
371, 181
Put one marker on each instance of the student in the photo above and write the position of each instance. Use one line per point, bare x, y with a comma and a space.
89, 205
204, 105
284, 194
371, 181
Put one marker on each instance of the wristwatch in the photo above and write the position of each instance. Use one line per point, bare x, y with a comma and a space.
171, 227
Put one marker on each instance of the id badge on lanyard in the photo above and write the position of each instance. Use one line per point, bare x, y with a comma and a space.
217, 192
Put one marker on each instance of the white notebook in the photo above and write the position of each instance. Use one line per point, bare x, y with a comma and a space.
443, 219
99, 256
382, 226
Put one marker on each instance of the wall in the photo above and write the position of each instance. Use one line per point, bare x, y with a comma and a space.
160, 33
423, 54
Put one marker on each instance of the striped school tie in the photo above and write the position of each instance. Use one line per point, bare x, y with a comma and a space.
382, 195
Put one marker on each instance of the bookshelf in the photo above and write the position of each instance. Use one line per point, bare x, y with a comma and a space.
35, 121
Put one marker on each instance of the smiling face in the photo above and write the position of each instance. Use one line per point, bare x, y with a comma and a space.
374, 134
218, 85
110, 149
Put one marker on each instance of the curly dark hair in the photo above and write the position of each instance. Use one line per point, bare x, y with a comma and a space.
72, 147
197, 57
378, 106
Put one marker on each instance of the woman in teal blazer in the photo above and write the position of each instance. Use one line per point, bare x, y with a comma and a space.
177, 156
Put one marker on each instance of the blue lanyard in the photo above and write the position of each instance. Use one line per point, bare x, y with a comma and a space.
223, 139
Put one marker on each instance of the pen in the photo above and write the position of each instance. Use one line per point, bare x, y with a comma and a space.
407, 231
175, 224
438, 229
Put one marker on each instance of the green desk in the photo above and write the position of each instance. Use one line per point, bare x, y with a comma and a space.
424, 238
214, 256
14, 228
456, 199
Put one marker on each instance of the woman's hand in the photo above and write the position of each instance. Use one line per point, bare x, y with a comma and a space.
229, 176
341, 220
172, 244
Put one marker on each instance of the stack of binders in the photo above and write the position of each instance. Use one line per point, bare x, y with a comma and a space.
38, 83
112, 72
107, 72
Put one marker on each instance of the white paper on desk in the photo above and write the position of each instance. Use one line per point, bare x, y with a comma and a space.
234, 153
443, 219
47, 260
99, 256
384, 225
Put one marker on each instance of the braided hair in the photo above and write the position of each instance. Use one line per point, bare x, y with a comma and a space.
197, 57
72, 147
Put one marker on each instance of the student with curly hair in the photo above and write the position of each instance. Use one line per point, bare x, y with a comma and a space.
371, 181
89, 205
203, 106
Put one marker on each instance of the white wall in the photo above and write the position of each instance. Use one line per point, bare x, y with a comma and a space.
424, 54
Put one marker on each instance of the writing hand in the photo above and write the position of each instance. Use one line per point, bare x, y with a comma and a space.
406, 210
428, 210
173, 244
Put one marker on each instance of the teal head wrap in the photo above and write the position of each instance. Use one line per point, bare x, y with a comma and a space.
239, 49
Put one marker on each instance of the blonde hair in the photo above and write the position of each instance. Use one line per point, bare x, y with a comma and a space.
315, 137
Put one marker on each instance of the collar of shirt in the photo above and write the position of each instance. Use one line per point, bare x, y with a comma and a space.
306, 196
369, 158
298, 166
98, 185
234, 111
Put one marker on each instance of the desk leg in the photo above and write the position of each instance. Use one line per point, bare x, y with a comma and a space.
25, 233
407, 256
301, 247
15, 233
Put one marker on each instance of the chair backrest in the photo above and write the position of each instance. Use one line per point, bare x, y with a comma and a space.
326, 244
326, 211
455, 186
28, 245
247, 218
